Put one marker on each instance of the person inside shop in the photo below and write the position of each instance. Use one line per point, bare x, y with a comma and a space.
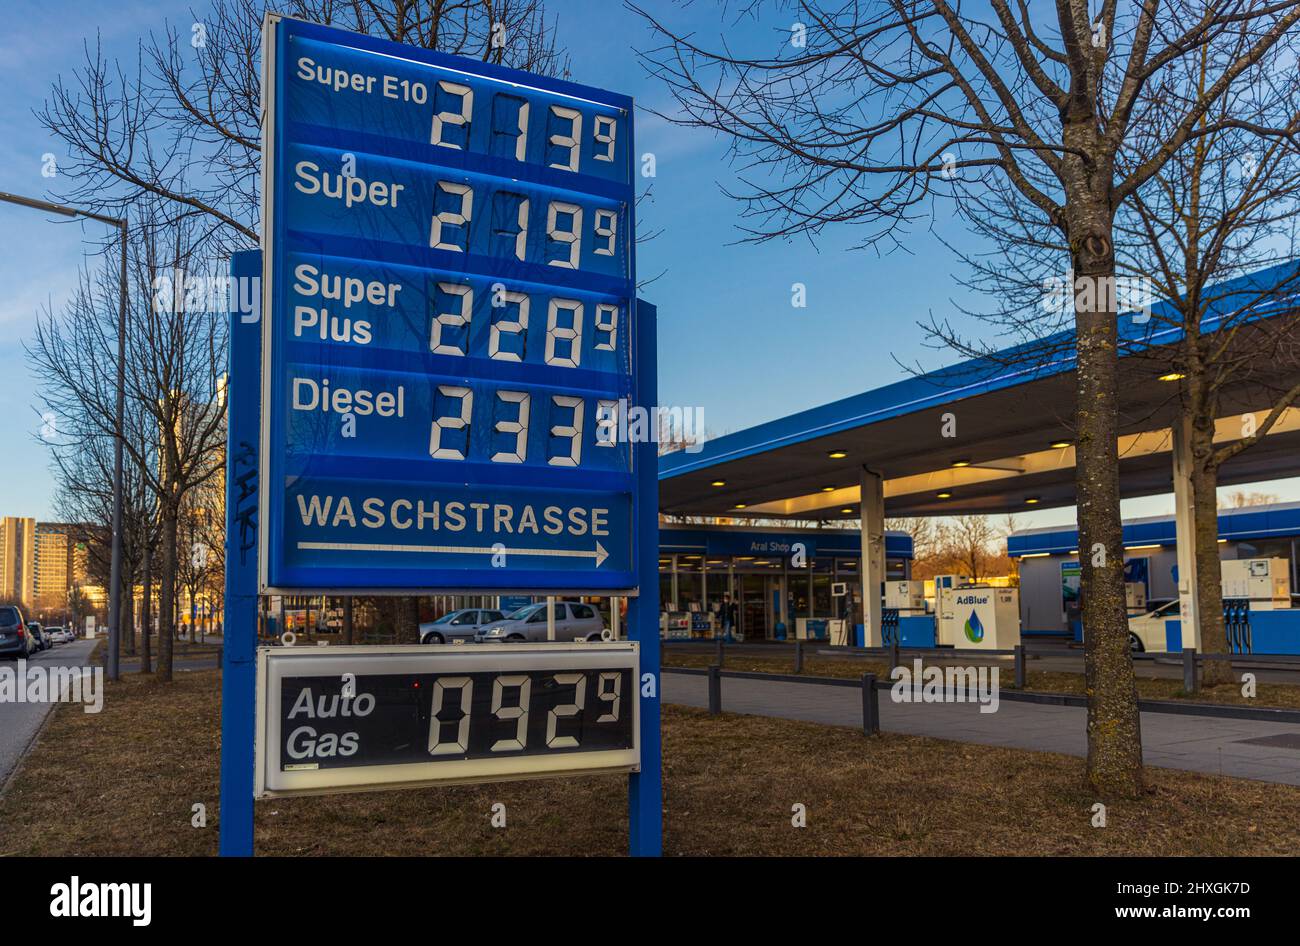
727, 615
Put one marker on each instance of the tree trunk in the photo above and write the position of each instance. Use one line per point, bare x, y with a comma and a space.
146, 613
408, 621
1114, 726
1209, 577
167, 595
126, 617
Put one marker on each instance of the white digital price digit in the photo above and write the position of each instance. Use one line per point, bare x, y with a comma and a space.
521, 238
568, 709
606, 423
520, 712
570, 140
453, 218
606, 229
557, 332
518, 427
516, 326
458, 118
572, 431
452, 319
440, 687
573, 236
613, 696
499, 104
458, 421
605, 130
607, 322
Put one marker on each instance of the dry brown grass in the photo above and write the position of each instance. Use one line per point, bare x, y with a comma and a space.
128, 777
1283, 695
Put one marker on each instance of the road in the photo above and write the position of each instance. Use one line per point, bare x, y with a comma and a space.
20, 721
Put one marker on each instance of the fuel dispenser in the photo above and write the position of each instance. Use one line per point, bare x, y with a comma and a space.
905, 597
1263, 582
1252, 586
1135, 597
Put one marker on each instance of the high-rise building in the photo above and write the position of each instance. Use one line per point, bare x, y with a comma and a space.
18, 559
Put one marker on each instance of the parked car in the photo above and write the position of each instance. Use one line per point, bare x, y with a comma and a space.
58, 634
15, 641
1147, 632
459, 625
574, 621
37, 631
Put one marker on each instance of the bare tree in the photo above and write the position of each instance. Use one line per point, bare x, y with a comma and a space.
175, 363
1240, 499
180, 126
968, 542
1204, 230
879, 110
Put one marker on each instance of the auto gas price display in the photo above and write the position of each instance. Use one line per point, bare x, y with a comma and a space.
416, 717
352, 717
448, 346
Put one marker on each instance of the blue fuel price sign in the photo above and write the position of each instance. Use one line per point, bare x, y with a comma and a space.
449, 285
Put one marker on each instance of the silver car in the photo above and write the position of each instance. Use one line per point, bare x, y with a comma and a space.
459, 625
574, 621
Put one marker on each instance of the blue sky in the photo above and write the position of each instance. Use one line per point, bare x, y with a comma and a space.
729, 339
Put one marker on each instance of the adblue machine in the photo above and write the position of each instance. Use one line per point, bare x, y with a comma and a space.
976, 617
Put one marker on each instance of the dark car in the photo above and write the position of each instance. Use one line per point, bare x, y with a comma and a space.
15, 641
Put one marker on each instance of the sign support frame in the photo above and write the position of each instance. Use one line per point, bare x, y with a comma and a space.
239, 623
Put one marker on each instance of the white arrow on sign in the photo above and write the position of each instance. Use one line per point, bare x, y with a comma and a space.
598, 553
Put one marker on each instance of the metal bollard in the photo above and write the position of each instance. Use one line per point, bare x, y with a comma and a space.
870, 705
893, 654
1189, 670
798, 656
1020, 666
715, 690
719, 651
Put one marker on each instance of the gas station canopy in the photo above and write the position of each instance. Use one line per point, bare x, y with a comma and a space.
1009, 418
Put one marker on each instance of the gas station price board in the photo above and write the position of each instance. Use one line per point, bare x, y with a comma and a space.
357, 718
449, 283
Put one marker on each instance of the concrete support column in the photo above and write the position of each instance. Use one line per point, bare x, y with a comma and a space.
873, 556
1185, 535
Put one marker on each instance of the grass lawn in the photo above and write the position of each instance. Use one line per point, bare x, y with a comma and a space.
127, 779
1284, 695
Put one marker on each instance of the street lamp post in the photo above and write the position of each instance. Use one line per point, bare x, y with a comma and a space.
115, 568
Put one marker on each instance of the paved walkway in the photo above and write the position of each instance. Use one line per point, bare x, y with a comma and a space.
1196, 743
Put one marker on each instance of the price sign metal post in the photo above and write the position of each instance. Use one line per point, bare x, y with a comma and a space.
450, 351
